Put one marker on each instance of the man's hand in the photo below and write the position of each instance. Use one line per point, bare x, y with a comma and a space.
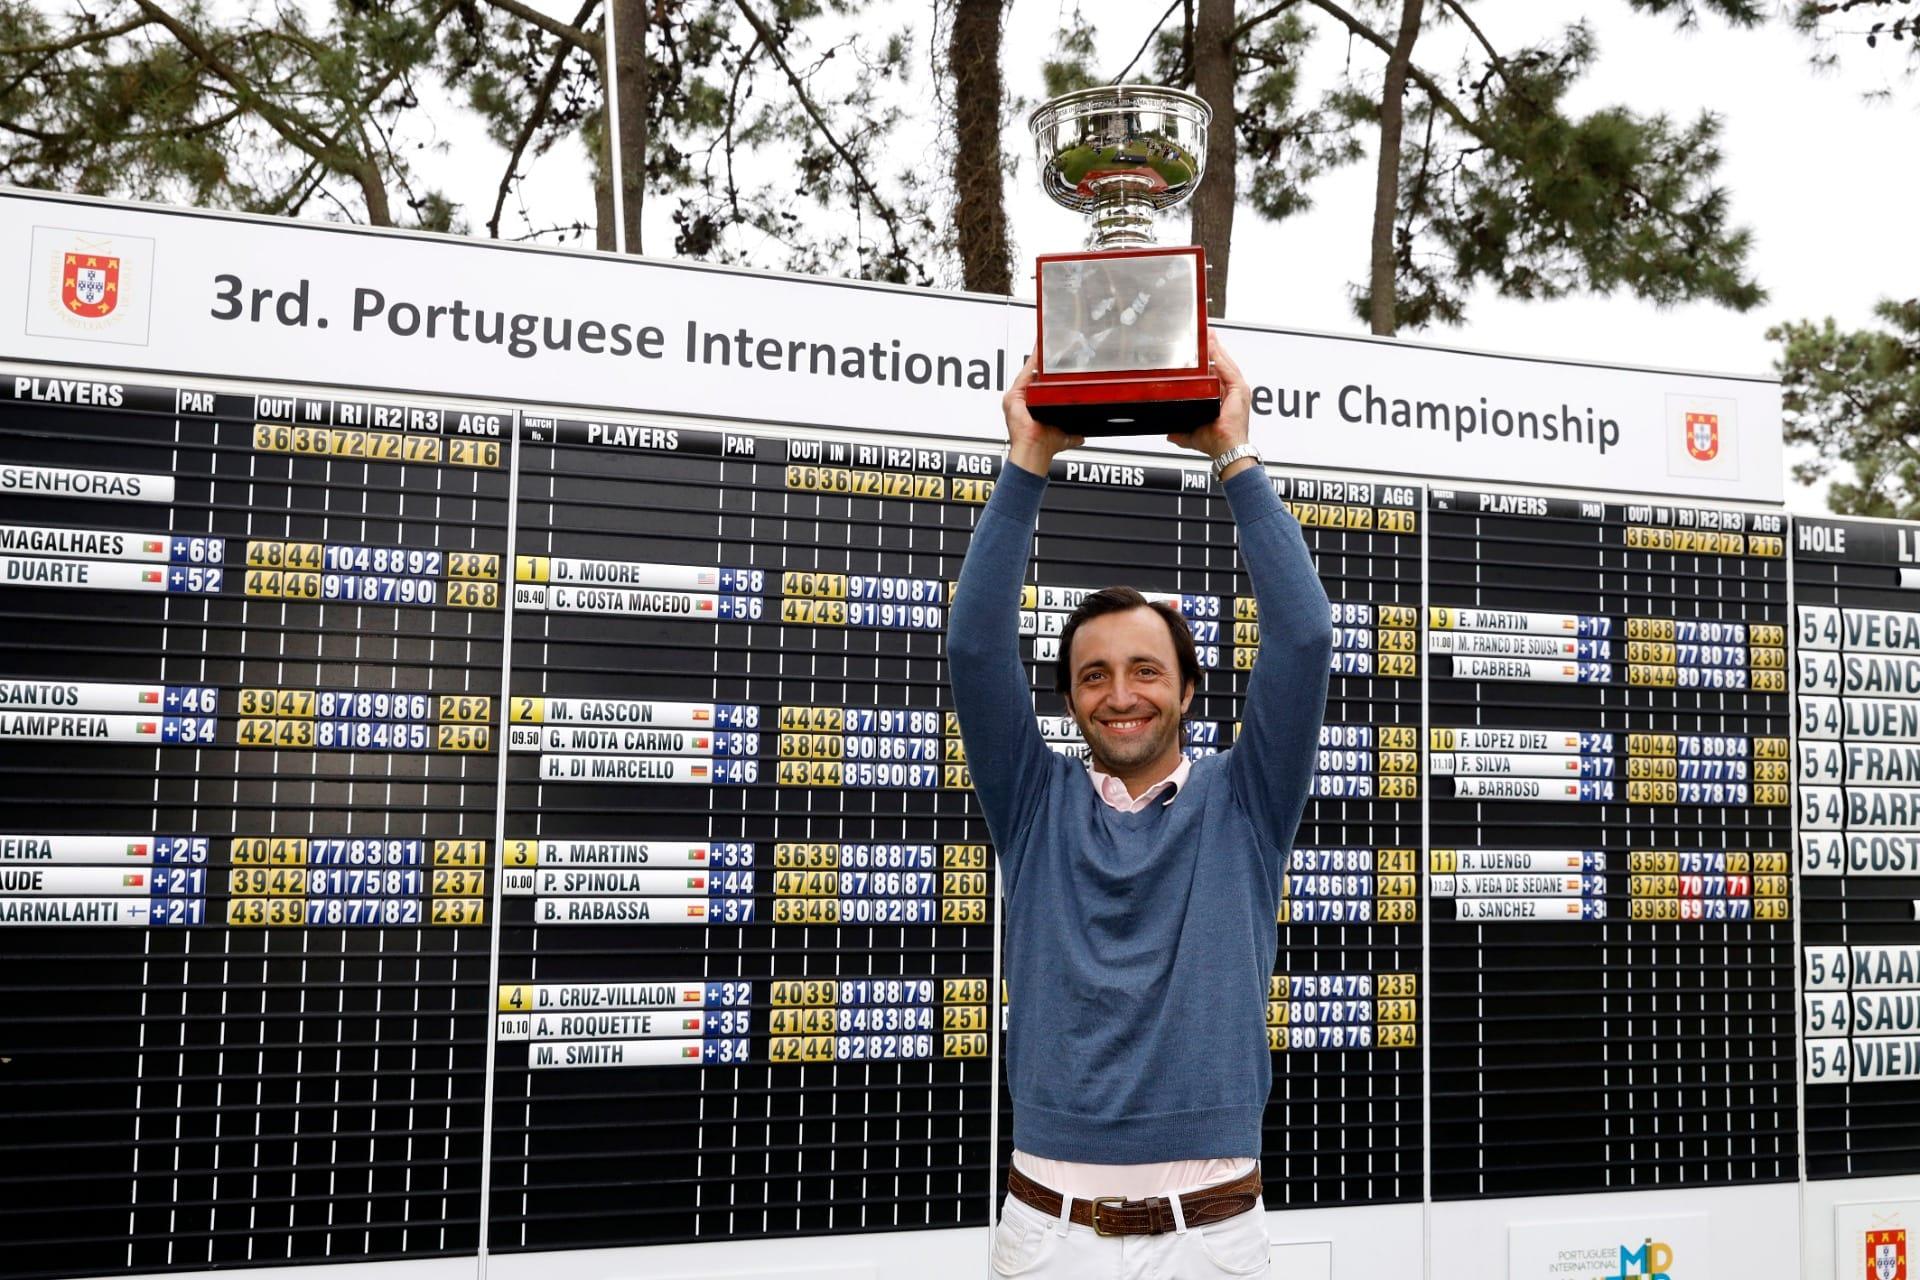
1230, 428
1031, 445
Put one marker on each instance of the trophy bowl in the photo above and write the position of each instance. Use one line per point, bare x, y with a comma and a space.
1121, 153
1120, 346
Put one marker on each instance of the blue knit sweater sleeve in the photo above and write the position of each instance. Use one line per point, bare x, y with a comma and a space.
1010, 761
1271, 764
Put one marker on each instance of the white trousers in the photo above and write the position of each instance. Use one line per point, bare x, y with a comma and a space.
1030, 1243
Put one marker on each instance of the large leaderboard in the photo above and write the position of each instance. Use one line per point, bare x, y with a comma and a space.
440, 818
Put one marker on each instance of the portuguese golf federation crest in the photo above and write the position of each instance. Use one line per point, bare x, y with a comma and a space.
1703, 436
90, 284
1887, 1254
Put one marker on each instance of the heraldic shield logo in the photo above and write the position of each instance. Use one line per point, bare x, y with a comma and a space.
90, 284
97, 285
1703, 436
1887, 1254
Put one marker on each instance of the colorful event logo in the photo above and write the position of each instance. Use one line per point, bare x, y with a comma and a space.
95, 286
1887, 1254
1703, 436
1651, 1261
90, 284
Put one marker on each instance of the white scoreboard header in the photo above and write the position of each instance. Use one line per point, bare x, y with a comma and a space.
181, 291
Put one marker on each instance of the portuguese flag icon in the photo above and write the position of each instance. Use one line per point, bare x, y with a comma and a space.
150, 695
153, 546
137, 849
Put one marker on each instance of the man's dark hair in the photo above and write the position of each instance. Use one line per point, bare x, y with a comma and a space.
1119, 600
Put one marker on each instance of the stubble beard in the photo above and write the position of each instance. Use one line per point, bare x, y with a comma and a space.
1130, 755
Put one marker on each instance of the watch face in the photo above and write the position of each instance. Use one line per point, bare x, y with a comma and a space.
1115, 313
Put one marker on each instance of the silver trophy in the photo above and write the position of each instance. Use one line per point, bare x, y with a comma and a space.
1122, 327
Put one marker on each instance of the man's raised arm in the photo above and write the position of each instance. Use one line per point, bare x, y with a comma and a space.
1005, 752
1271, 763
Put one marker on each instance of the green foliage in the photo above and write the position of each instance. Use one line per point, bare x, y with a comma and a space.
1854, 397
1070, 66
1285, 144
1503, 186
1540, 203
247, 107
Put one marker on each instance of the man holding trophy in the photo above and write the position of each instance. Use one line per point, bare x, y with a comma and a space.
1141, 890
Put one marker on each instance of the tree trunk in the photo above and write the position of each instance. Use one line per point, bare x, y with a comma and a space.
373, 189
979, 207
602, 207
1213, 77
1386, 188
630, 75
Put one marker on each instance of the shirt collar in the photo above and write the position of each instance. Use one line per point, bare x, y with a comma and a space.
1114, 792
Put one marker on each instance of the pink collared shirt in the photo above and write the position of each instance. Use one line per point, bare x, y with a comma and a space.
1134, 1181
1114, 791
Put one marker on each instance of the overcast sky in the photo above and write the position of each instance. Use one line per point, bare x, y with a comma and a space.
1825, 180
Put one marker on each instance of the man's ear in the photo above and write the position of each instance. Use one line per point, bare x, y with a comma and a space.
1186, 696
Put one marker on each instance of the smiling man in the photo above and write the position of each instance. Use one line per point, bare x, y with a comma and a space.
1140, 889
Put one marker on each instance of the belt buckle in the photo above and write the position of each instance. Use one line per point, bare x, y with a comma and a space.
1096, 1202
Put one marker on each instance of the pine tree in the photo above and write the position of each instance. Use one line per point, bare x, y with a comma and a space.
1854, 397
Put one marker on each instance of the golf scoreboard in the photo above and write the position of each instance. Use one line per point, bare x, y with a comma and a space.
444, 815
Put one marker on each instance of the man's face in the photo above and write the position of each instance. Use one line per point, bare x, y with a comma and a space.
1127, 696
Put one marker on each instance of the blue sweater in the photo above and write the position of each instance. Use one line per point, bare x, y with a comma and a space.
1139, 945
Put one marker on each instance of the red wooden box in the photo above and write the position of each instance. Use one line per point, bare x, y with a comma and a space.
1121, 341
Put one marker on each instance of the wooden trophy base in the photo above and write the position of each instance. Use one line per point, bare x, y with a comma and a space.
1124, 406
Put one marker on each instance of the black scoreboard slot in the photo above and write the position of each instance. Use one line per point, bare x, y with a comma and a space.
1857, 772
249, 669
747, 951
1343, 1125
1612, 944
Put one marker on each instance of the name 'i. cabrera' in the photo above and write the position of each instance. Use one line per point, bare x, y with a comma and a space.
876, 362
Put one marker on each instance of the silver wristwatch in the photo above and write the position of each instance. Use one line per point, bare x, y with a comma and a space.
1232, 456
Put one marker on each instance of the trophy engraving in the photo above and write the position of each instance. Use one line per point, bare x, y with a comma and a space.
1122, 328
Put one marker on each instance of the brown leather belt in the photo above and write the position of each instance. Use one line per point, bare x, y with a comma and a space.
1115, 1216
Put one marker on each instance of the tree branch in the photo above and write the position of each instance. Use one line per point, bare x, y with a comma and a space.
1141, 51
572, 34
880, 205
75, 41
1233, 37
296, 134
534, 120
1493, 54
1414, 72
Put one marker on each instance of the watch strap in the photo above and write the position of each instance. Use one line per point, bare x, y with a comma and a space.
1232, 456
